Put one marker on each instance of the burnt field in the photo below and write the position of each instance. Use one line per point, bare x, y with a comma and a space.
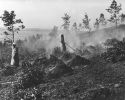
81, 58
89, 73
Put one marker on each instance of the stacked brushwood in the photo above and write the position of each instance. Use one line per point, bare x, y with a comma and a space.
41, 70
78, 61
57, 68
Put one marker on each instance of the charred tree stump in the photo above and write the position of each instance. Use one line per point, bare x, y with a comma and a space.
63, 43
15, 56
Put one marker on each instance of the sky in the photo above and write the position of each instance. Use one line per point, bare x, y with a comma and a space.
47, 13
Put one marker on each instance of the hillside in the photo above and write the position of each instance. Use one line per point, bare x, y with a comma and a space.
66, 76
102, 35
42, 78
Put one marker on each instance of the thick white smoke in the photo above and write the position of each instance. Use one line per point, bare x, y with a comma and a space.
74, 39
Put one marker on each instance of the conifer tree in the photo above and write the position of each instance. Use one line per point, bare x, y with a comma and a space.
114, 9
12, 24
66, 20
86, 22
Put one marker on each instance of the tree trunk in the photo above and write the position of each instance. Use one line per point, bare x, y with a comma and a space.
14, 56
63, 43
12, 35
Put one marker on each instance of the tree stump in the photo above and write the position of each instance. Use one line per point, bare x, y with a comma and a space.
15, 56
63, 43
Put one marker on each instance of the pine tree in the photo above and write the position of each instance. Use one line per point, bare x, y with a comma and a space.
86, 22
102, 19
114, 9
80, 26
96, 24
74, 26
122, 18
66, 20
12, 24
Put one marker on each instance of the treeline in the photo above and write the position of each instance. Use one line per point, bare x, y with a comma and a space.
116, 18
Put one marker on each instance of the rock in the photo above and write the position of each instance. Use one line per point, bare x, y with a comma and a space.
78, 61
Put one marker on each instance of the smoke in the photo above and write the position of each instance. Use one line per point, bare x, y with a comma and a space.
100, 36
72, 39
75, 39
45, 41
49, 42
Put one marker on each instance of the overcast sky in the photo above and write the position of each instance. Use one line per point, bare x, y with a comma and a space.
47, 13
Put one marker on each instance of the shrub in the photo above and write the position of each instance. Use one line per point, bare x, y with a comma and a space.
115, 50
